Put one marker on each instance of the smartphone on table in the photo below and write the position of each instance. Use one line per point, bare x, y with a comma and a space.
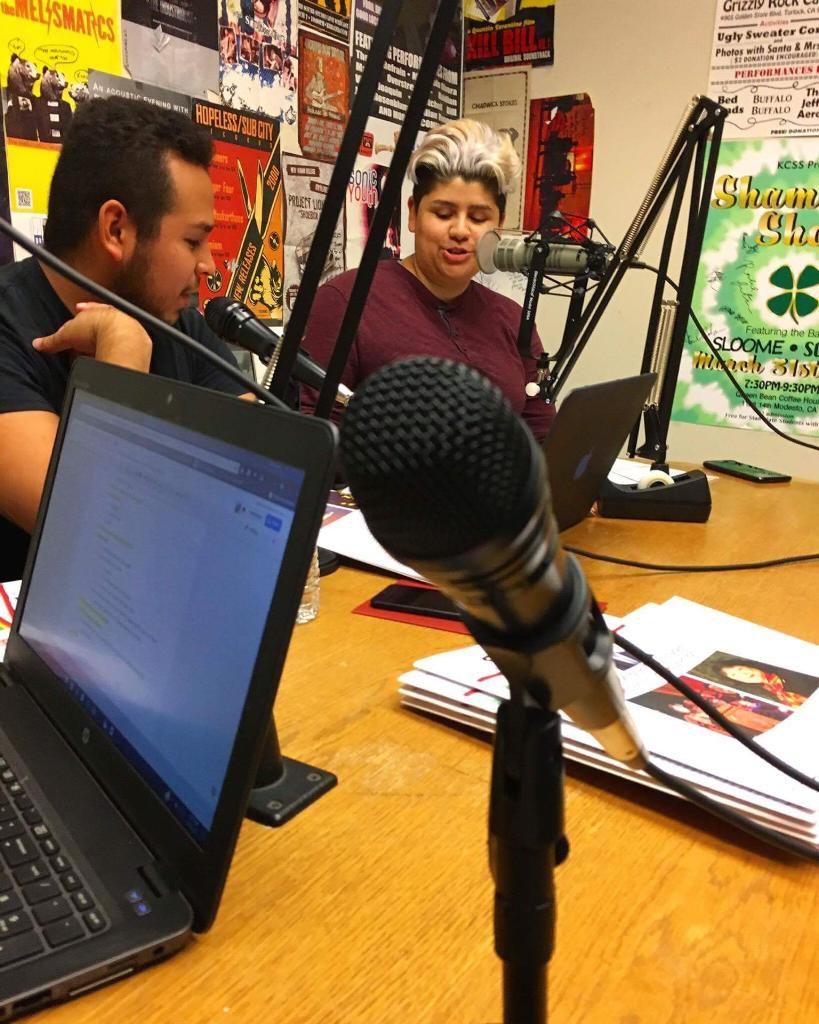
398, 597
746, 472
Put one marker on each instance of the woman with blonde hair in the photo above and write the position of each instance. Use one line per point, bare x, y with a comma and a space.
427, 303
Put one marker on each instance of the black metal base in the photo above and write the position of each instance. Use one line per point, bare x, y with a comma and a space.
328, 561
687, 500
297, 787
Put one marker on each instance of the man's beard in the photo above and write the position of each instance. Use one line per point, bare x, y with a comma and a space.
131, 283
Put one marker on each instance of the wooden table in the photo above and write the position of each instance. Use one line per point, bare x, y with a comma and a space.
374, 905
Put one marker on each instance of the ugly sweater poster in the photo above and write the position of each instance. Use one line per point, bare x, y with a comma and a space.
49, 52
757, 292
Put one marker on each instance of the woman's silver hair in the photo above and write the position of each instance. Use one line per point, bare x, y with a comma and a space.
470, 150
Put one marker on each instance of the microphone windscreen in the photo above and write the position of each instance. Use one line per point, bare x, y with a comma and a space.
216, 314
485, 251
437, 459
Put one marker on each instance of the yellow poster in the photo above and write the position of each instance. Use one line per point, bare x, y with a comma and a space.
48, 48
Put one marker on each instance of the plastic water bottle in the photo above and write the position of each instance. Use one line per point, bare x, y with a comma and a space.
308, 609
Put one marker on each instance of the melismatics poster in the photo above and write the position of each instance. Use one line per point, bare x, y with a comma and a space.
559, 161
247, 241
757, 291
49, 49
500, 34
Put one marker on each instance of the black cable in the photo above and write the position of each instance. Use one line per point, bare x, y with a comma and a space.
641, 265
768, 835
714, 714
738, 566
44, 256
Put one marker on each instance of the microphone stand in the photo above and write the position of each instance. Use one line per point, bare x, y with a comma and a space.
284, 786
526, 843
684, 161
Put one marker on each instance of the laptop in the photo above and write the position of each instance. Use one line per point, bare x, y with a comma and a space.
161, 588
586, 436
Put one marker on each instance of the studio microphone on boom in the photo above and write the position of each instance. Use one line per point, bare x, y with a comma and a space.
514, 253
235, 323
452, 483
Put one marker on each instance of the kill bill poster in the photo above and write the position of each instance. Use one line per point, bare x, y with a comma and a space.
404, 59
501, 100
559, 163
500, 34
48, 50
757, 291
324, 95
305, 187
247, 240
765, 67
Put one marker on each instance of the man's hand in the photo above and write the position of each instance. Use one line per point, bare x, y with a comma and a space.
104, 333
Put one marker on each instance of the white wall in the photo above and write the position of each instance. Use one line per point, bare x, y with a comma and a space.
640, 61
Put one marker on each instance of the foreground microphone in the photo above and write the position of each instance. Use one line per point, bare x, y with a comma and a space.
514, 253
452, 483
235, 323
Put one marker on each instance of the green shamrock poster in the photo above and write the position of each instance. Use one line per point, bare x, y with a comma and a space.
757, 291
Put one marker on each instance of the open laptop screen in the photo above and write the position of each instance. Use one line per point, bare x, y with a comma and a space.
150, 604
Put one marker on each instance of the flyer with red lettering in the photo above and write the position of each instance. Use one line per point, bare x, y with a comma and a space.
502, 34
247, 240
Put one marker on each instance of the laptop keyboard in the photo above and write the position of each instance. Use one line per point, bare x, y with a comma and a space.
44, 902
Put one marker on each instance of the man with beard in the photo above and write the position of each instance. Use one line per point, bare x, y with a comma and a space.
130, 207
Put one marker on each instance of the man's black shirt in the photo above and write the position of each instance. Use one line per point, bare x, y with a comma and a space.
29, 380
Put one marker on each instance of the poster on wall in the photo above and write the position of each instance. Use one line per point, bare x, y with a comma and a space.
559, 164
172, 44
45, 78
332, 17
757, 291
499, 34
305, 187
363, 197
247, 242
101, 85
324, 95
404, 59
258, 59
6, 249
765, 67
501, 100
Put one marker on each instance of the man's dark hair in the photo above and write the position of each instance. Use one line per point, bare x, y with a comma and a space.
117, 148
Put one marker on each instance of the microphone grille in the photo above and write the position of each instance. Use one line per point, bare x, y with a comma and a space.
216, 314
436, 458
485, 251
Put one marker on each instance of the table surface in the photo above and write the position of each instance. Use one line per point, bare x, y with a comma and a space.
374, 905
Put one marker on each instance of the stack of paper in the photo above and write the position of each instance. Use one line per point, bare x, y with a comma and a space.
763, 681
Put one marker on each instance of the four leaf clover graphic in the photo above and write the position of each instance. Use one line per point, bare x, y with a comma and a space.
794, 298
